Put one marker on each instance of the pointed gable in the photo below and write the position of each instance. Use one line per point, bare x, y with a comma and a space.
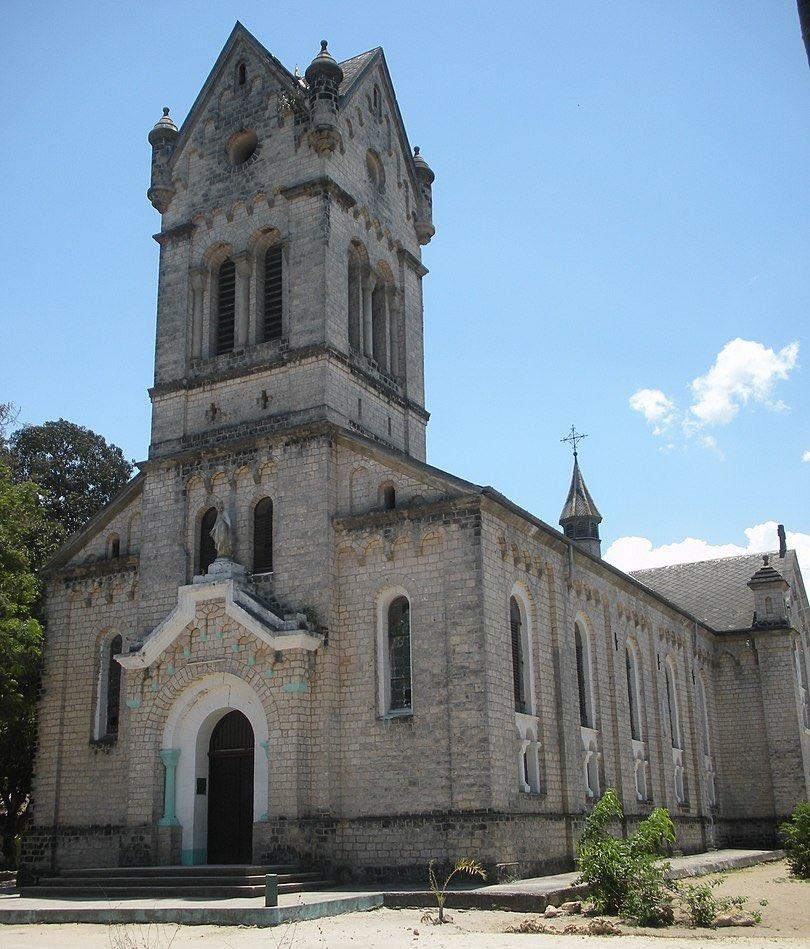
240, 36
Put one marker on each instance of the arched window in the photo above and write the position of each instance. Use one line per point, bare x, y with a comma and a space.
113, 687
801, 676
207, 548
376, 171
389, 497
398, 649
263, 536
113, 547
273, 293
703, 712
586, 718
672, 705
376, 102
768, 605
379, 324
241, 74
633, 691
518, 671
226, 306
108, 701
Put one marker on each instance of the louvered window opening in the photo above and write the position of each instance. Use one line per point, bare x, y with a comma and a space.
263, 536
113, 688
517, 656
582, 682
272, 293
226, 306
208, 549
399, 654
632, 695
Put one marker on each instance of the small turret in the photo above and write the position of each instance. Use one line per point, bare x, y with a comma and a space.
162, 138
424, 220
324, 77
769, 588
580, 518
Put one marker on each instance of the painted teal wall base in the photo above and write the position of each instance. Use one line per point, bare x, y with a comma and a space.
168, 822
194, 857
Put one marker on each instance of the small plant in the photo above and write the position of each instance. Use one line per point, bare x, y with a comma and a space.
465, 865
795, 834
626, 877
703, 907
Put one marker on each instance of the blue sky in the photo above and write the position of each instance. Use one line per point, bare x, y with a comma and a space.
621, 193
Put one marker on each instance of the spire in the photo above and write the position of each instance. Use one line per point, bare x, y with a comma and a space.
580, 517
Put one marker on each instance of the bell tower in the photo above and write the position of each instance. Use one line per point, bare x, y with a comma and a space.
293, 212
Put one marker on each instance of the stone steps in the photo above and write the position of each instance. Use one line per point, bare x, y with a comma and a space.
209, 882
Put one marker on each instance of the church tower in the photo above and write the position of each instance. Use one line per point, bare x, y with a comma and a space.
580, 517
293, 211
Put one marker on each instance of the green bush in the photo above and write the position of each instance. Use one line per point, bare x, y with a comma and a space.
795, 834
702, 905
625, 877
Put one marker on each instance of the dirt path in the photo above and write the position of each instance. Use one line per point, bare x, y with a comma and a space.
785, 923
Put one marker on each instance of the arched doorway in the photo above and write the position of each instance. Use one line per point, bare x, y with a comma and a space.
230, 790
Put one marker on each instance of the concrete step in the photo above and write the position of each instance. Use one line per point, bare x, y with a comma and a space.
205, 869
176, 880
128, 891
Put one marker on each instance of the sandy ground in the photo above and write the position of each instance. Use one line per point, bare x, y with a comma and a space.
785, 923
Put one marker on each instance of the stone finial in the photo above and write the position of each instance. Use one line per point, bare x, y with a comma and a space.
164, 129
324, 64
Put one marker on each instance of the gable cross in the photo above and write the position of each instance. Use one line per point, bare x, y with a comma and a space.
573, 438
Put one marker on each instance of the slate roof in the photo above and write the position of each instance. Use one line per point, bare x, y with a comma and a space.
353, 67
715, 591
579, 502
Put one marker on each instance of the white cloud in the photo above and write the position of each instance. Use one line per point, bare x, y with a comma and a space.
806, 456
638, 553
744, 371
655, 407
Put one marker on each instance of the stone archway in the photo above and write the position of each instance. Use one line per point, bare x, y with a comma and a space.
189, 727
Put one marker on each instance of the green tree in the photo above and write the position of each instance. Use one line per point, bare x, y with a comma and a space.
625, 876
78, 471
21, 515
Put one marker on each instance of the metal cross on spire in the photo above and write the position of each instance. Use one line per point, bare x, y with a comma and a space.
574, 437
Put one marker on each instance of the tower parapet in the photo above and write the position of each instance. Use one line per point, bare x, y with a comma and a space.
424, 221
162, 138
324, 77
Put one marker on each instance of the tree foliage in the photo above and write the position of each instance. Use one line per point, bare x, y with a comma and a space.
795, 834
78, 471
21, 515
625, 876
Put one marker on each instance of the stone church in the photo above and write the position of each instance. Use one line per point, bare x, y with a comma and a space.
291, 638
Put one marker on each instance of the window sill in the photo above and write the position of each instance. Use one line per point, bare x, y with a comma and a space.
262, 575
106, 742
399, 715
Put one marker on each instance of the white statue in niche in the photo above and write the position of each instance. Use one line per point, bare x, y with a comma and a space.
222, 533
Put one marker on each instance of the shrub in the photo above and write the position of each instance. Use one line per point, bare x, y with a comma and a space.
795, 834
465, 865
624, 876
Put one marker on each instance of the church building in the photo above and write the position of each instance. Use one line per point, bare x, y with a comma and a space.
290, 639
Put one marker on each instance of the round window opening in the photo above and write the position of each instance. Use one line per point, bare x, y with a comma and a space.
242, 146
